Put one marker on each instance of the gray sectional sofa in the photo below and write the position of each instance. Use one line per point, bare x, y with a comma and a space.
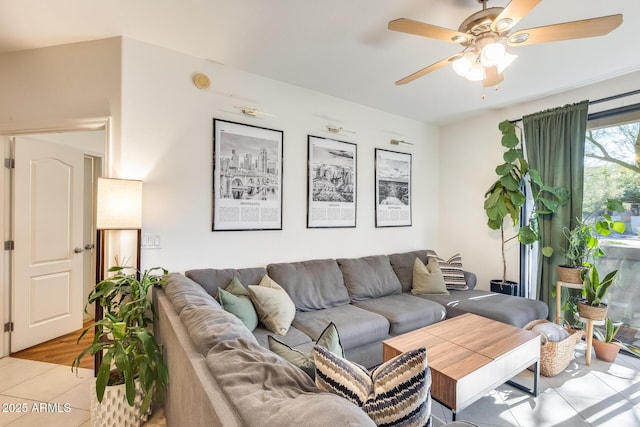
222, 374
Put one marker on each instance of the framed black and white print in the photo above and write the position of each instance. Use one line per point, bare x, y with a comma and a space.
247, 177
331, 183
393, 188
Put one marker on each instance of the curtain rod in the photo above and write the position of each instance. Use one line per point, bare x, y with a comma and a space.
597, 101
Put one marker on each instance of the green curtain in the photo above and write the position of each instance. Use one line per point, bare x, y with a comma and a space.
555, 140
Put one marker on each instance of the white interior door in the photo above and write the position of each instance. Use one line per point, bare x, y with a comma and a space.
47, 259
5, 206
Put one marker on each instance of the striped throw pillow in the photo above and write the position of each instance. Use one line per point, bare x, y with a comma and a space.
452, 271
397, 393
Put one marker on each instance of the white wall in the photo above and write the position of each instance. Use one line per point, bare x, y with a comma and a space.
45, 88
469, 153
167, 142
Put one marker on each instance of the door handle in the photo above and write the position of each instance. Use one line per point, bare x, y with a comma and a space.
78, 250
89, 246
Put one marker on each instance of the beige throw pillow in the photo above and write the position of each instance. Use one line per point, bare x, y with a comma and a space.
273, 305
428, 279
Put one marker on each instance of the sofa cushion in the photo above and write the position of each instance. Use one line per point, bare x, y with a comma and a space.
397, 393
515, 311
269, 391
293, 337
208, 325
182, 291
404, 311
329, 339
369, 277
274, 307
312, 285
235, 299
357, 326
402, 264
428, 279
211, 279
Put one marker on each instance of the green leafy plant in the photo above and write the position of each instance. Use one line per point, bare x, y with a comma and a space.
583, 240
594, 290
610, 331
124, 336
505, 198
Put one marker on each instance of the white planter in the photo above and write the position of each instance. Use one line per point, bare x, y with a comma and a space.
114, 411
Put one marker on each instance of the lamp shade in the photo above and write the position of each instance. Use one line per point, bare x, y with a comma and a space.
119, 205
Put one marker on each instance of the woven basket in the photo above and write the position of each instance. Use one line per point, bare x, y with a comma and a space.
556, 356
589, 311
569, 274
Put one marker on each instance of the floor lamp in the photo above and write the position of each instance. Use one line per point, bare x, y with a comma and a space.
119, 207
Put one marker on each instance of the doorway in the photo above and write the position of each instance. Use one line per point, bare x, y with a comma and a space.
62, 293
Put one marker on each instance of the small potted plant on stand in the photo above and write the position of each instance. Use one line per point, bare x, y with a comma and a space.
583, 244
593, 291
505, 198
605, 347
132, 372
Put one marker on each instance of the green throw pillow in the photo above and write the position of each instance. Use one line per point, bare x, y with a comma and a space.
328, 339
235, 299
428, 279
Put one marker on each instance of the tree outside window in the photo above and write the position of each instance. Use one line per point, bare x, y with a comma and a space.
612, 170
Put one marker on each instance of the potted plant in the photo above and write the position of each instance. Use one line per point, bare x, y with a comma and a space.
593, 292
583, 243
505, 198
132, 366
604, 345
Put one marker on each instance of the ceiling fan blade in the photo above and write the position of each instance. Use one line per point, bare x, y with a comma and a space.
491, 76
405, 25
566, 31
512, 14
427, 70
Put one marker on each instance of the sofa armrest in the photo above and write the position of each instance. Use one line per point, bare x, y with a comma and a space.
471, 279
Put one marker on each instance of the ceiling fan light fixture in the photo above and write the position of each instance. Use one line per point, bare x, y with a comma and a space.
519, 38
492, 54
476, 72
506, 61
463, 64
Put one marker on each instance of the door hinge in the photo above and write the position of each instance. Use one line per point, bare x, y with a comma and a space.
10, 163
9, 245
8, 327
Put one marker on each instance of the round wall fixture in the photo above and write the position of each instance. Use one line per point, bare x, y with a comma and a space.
201, 81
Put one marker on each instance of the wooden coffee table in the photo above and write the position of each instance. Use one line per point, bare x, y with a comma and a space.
469, 356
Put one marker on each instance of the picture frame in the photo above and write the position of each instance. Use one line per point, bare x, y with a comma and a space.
247, 177
331, 183
392, 188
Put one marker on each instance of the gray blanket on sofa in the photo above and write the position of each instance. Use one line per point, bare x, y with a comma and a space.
270, 391
266, 389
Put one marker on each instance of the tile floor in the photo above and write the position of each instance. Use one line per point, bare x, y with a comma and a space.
604, 394
25, 384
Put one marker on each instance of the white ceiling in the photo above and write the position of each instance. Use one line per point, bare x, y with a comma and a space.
342, 47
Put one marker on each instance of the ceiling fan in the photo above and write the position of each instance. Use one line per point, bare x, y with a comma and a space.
485, 34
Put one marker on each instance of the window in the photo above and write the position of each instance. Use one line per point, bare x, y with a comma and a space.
612, 170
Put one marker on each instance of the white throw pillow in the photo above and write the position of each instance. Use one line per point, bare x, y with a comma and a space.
551, 331
428, 279
273, 305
